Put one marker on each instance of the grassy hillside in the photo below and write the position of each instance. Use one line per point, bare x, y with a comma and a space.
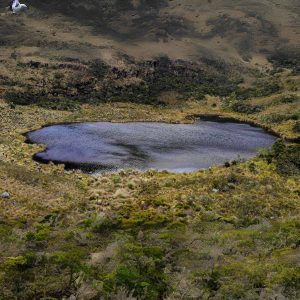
248, 32
229, 232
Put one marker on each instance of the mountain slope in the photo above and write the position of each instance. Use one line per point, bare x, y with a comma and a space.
239, 31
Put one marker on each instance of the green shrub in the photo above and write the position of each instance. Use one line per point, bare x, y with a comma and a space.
50, 102
261, 88
278, 118
286, 158
239, 106
145, 219
71, 261
103, 223
291, 98
17, 272
224, 184
42, 233
141, 271
296, 127
19, 263
289, 278
209, 280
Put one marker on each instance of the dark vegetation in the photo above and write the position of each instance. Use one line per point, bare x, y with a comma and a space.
240, 107
141, 82
286, 158
108, 17
279, 118
261, 88
50, 102
243, 31
296, 127
286, 58
64, 86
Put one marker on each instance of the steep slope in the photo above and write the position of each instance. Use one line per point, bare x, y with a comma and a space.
240, 31
142, 50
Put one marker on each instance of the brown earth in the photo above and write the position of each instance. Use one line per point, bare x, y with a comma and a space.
241, 32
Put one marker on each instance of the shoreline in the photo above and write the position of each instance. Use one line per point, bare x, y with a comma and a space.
213, 117
89, 167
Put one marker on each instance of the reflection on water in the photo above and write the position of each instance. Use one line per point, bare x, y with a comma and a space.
173, 147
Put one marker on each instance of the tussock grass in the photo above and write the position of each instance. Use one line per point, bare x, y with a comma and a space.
229, 232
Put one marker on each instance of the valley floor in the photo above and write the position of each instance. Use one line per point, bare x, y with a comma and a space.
229, 232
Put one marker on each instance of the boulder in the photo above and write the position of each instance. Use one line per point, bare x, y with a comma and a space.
5, 195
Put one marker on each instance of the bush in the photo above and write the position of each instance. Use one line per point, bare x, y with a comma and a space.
286, 158
279, 118
17, 271
55, 103
69, 261
141, 272
99, 68
291, 98
261, 88
241, 107
287, 58
41, 234
296, 127
18, 263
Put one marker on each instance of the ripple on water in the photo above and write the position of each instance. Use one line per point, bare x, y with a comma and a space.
174, 147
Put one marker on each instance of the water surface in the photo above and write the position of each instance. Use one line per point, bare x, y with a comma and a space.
175, 147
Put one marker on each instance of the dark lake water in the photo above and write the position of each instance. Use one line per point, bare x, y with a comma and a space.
174, 147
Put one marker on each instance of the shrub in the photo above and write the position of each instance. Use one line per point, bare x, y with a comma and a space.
103, 223
286, 158
41, 234
55, 103
70, 261
17, 271
296, 127
210, 281
291, 98
261, 88
289, 278
241, 107
278, 118
18, 263
141, 272
99, 68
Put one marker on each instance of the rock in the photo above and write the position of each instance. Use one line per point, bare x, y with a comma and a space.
231, 185
87, 292
140, 235
215, 190
189, 213
144, 205
97, 258
269, 187
5, 195
104, 256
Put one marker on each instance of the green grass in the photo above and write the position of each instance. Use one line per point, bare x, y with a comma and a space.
229, 232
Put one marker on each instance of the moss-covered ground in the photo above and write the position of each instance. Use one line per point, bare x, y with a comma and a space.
229, 232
